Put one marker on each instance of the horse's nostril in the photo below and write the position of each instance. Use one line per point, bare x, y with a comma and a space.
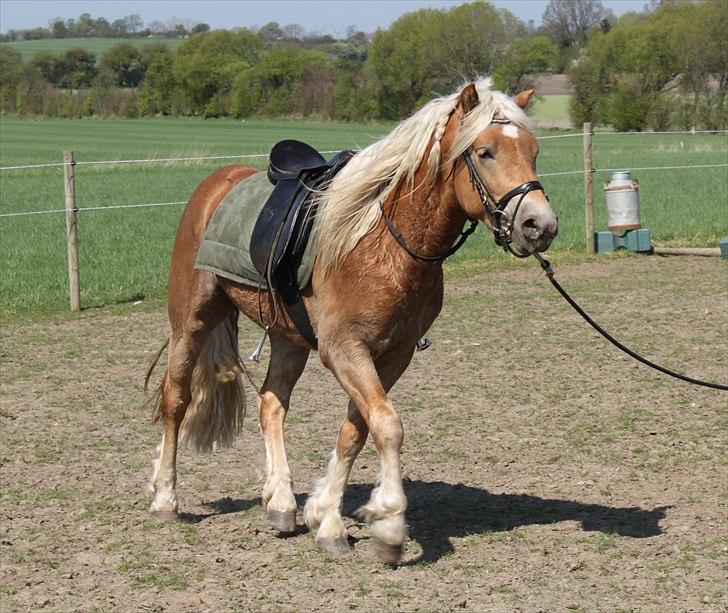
531, 228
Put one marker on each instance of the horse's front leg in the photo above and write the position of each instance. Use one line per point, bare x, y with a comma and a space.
323, 507
355, 370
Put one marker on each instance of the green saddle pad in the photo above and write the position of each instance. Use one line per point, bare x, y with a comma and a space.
225, 249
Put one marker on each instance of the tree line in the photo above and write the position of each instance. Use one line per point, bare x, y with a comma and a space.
660, 68
86, 26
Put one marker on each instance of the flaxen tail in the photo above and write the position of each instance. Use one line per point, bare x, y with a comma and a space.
215, 414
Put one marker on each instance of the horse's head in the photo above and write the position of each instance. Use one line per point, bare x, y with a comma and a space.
494, 169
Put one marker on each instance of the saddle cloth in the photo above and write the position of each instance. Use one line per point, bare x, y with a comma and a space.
225, 249
271, 234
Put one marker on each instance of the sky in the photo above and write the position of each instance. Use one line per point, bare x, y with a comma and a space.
324, 16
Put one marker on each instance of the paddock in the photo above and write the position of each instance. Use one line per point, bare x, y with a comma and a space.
544, 470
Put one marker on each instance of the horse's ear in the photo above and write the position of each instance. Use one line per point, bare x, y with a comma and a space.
469, 98
522, 99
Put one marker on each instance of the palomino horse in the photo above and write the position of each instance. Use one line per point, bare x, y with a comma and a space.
371, 297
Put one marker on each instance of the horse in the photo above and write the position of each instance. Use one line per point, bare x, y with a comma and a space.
385, 224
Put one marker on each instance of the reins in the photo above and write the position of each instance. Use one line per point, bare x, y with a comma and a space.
428, 258
546, 265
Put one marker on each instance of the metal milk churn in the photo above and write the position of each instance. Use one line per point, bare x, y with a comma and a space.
623, 202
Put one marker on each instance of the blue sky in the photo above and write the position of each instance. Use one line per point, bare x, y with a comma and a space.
325, 16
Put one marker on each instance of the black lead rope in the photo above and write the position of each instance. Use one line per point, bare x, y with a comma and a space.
546, 265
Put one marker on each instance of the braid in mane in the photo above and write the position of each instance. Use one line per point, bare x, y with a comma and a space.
433, 161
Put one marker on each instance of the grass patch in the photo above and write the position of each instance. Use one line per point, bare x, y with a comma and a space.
97, 46
163, 580
551, 109
124, 253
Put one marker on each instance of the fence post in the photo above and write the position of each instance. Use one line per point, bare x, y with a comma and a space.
69, 181
588, 181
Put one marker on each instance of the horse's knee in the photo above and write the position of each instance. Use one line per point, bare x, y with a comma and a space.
386, 428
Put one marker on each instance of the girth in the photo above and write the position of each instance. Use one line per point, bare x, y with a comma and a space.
284, 225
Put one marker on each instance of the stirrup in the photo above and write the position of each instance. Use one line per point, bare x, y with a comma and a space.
423, 343
255, 356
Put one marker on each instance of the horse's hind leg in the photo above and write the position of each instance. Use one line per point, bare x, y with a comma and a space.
286, 365
200, 382
287, 362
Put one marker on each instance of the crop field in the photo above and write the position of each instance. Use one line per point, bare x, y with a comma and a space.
544, 470
125, 252
97, 46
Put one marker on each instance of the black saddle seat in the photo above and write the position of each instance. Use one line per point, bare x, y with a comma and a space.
282, 230
289, 157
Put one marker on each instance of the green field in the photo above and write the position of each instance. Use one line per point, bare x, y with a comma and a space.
552, 111
97, 46
125, 252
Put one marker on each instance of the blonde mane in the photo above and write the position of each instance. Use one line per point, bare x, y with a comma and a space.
350, 209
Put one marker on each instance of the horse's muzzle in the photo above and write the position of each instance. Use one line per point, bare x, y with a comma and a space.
536, 227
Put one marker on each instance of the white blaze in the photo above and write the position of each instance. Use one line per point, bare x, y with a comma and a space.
510, 130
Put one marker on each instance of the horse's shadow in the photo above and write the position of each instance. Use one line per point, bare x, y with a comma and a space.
438, 512
222, 506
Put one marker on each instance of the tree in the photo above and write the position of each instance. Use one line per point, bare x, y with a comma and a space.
526, 56
125, 61
624, 77
200, 27
157, 27
201, 64
133, 23
292, 31
270, 33
568, 21
158, 87
84, 25
432, 51
285, 81
11, 71
79, 68
119, 27
49, 65
59, 29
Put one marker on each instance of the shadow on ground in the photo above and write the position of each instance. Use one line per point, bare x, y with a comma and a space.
223, 506
440, 511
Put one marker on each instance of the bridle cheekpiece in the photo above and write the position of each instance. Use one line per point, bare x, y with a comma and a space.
495, 209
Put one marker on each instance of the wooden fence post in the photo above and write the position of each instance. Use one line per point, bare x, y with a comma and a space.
69, 177
588, 184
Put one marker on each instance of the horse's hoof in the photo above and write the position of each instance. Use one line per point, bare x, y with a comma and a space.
165, 517
283, 521
389, 554
335, 546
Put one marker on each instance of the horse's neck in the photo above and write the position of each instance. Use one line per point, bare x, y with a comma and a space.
429, 219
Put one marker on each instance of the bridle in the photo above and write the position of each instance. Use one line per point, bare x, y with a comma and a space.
502, 226
495, 209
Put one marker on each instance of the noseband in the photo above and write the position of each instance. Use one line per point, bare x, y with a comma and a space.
496, 209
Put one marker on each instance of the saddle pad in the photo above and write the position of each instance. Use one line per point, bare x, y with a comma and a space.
225, 249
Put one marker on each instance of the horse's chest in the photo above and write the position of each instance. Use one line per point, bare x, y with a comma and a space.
406, 316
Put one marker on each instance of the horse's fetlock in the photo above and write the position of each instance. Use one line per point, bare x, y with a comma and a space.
391, 529
331, 527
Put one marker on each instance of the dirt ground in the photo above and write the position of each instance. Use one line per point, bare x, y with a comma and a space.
544, 470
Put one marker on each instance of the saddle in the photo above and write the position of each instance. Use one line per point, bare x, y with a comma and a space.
282, 230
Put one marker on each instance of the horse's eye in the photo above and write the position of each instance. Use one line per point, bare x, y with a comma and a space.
485, 154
